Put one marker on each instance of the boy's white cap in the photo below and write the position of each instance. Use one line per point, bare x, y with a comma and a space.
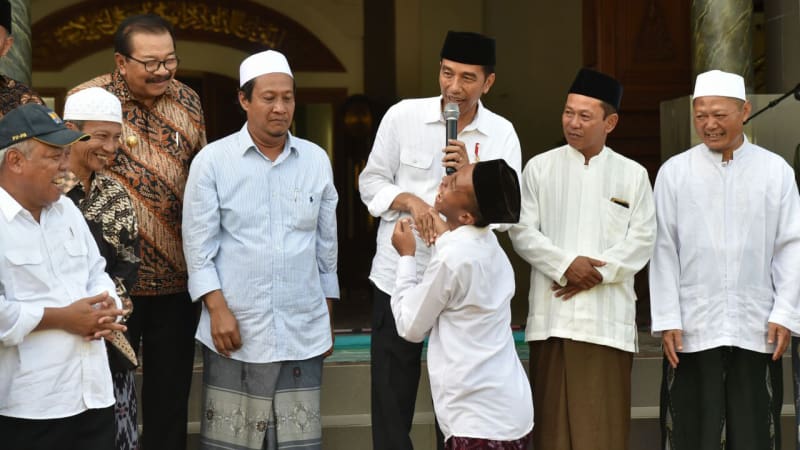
263, 63
719, 84
94, 103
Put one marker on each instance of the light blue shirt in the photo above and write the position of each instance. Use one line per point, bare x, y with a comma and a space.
264, 233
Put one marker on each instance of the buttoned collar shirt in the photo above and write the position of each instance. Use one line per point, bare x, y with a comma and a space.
51, 263
407, 157
603, 210
264, 232
727, 257
478, 384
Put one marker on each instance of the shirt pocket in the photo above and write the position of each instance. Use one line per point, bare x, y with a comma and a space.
616, 220
416, 158
27, 273
304, 206
75, 262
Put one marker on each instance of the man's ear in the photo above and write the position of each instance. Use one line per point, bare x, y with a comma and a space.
14, 159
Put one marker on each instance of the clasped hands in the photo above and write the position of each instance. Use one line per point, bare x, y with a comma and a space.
581, 275
93, 317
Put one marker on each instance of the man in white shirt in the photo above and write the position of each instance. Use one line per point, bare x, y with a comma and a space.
56, 300
400, 180
587, 226
480, 391
724, 278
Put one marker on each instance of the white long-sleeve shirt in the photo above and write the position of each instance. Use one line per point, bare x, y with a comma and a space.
572, 209
727, 256
51, 263
407, 157
478, 384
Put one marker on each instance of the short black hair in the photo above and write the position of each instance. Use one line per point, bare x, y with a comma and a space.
608, 109
488, 70
142, 23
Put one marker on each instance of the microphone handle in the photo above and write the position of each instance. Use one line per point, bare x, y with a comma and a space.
452, 133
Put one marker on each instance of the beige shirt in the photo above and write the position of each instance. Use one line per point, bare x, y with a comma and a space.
567, 211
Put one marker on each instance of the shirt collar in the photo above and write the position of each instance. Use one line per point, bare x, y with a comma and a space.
738, 153
433, 114
246, 143
575, 154
10, 207
462, 232
119, 87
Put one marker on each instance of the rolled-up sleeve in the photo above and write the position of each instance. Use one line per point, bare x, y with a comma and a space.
376, 183
17, 320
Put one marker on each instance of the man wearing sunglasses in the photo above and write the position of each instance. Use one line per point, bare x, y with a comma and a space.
162, 128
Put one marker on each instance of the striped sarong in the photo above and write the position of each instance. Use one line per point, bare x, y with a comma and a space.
248, 406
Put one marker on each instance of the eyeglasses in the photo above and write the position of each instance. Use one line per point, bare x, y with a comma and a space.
153, 65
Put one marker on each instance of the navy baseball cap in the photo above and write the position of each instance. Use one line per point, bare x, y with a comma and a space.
33, 120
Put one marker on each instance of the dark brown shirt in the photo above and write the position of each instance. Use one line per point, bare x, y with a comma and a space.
13, 93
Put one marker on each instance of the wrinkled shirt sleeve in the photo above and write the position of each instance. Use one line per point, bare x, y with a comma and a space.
327, 244
665, 308
416, 305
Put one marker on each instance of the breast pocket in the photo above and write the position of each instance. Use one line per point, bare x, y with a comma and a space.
615, 223
304, 205
416, 158
75, 259
27, 273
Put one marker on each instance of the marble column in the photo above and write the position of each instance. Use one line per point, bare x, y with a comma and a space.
17, 63
722, 37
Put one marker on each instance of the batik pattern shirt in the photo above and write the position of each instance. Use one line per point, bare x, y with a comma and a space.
109, 213
159, 143
13, 94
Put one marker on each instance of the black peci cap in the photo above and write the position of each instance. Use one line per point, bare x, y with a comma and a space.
597, 85
496, 188
469, 48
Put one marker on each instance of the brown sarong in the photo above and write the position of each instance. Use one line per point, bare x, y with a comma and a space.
581, 395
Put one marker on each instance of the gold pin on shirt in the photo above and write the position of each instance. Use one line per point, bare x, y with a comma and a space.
131, 141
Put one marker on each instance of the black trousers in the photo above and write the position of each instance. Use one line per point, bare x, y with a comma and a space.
723, 395
92, 429
395, 370
165, 326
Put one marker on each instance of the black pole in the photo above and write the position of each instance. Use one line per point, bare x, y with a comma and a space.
795, 91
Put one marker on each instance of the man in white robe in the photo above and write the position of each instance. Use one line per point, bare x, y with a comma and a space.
587, 226
724, 278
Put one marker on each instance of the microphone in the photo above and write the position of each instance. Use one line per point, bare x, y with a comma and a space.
451, 124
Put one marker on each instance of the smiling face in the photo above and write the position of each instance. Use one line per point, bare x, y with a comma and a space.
39, 174
584, 125
463, 84
146, 86
719, 122
270, 108
99, 151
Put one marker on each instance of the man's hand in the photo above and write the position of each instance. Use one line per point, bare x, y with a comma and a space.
455, 154
565, 292
419, 212
224, 327
439, 225
672, 341
581, 272
782, 335
403, 238
91, 317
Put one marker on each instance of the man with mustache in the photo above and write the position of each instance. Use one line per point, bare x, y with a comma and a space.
724, 291
402, 175
12, 92
56, 300
587, 226
162, 130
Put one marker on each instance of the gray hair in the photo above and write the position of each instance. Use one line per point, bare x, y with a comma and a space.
25, 147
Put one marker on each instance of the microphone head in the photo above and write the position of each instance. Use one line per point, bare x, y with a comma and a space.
451, 111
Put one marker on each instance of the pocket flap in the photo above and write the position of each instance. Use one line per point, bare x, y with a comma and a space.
24, 257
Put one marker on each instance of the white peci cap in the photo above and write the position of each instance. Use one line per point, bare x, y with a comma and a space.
263, 63
93, 103
719, 84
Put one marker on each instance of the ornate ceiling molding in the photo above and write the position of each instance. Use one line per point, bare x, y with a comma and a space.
79, 30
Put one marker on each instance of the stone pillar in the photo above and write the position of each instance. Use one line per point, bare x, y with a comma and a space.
722, 37
17, 63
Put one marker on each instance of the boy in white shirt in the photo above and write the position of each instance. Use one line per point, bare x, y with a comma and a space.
480, 391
